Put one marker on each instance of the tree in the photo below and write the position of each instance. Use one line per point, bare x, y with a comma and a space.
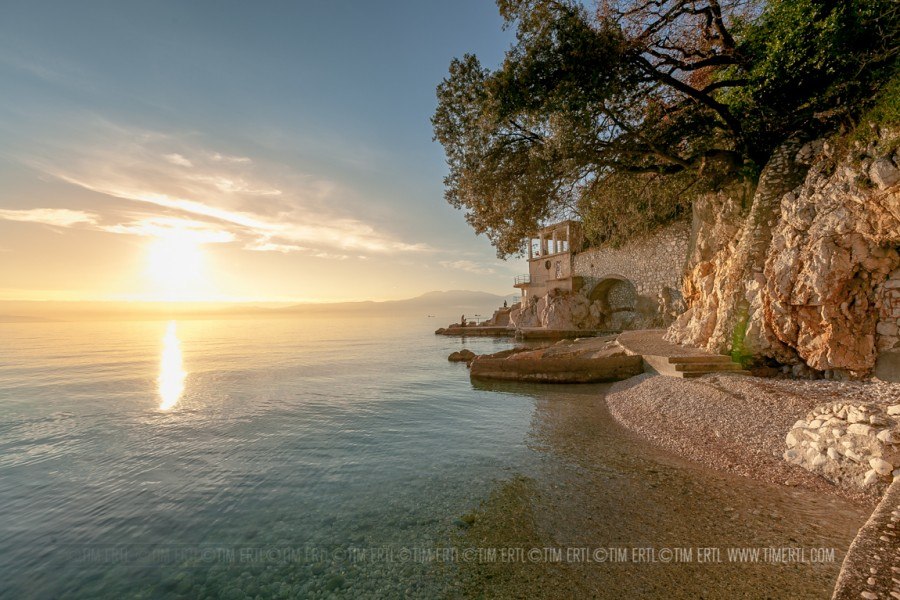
623, 114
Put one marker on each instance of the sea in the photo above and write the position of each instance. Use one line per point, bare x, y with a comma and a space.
270, 458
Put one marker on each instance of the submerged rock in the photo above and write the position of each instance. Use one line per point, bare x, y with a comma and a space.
463, 355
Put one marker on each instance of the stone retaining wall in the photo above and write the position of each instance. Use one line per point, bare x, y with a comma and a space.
651, 264
850, 444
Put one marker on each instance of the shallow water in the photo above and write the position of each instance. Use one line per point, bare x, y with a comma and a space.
304, 458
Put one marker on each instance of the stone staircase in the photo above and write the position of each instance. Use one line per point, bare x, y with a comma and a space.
675, 361
695, 366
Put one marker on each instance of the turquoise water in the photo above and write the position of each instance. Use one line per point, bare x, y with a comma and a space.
239, 458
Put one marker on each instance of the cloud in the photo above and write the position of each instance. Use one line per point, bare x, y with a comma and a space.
229, 159
171, 227
265, 207
267, 246
60, 217
177, 159
469, 266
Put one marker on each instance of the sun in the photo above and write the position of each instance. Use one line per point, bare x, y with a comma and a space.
175, 266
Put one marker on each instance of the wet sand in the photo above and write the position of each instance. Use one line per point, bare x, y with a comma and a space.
598, 486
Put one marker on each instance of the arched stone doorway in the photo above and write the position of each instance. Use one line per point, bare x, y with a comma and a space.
618, 301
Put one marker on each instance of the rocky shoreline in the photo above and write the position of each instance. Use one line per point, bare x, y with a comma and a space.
739, 424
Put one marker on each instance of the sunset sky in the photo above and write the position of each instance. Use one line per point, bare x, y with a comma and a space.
233, 150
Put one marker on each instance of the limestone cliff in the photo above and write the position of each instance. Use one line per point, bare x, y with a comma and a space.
810, 273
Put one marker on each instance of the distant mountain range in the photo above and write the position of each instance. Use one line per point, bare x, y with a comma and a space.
441, 304
460, 300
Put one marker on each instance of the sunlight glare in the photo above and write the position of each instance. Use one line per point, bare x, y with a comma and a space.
175, 264
171, 370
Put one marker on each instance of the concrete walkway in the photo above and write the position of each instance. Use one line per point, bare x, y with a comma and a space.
666, 358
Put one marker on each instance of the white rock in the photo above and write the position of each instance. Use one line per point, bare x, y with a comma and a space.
815, 424
894, 409
818, 460
883, 173
790, 440
799, 424
855, 416
852, 455
860, 429
881, 466
833, 454
837, 431
886, 436
870, 477
896, 474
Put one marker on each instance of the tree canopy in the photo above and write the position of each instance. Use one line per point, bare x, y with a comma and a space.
622, 113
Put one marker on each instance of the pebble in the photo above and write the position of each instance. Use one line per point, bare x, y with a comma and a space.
881, 466
870, 477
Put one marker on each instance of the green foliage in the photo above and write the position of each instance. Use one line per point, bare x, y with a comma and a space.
810, 65
884, 112
623, 116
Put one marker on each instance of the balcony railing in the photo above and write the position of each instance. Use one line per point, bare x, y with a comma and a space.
522, 280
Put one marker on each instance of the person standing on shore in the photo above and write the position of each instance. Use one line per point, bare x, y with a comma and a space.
462, 320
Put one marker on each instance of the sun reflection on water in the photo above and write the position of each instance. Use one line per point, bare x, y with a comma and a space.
171, 370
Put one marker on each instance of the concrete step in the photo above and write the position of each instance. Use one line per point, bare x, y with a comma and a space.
707, 367
692, 374
709, 358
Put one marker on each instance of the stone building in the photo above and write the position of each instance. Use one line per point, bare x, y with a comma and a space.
550, 260
570, 286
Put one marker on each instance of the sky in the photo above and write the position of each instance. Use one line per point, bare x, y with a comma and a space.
234, 150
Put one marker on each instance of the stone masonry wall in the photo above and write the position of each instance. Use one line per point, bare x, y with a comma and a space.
888, 327
651, 263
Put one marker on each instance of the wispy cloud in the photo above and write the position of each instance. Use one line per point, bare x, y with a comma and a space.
162, 227
265, 207
469, 266
177, 159
60, 217
218, 157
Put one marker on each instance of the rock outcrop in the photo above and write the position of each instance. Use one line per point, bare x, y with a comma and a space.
809, 274
558, 309
574, 311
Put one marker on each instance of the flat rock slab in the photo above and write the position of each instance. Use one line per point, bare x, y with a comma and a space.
543, 333
476, 331
532, 367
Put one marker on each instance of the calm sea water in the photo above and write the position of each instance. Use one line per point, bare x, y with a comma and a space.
295, 438
312, 458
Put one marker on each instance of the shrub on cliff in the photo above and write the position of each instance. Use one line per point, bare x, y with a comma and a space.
624, 113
